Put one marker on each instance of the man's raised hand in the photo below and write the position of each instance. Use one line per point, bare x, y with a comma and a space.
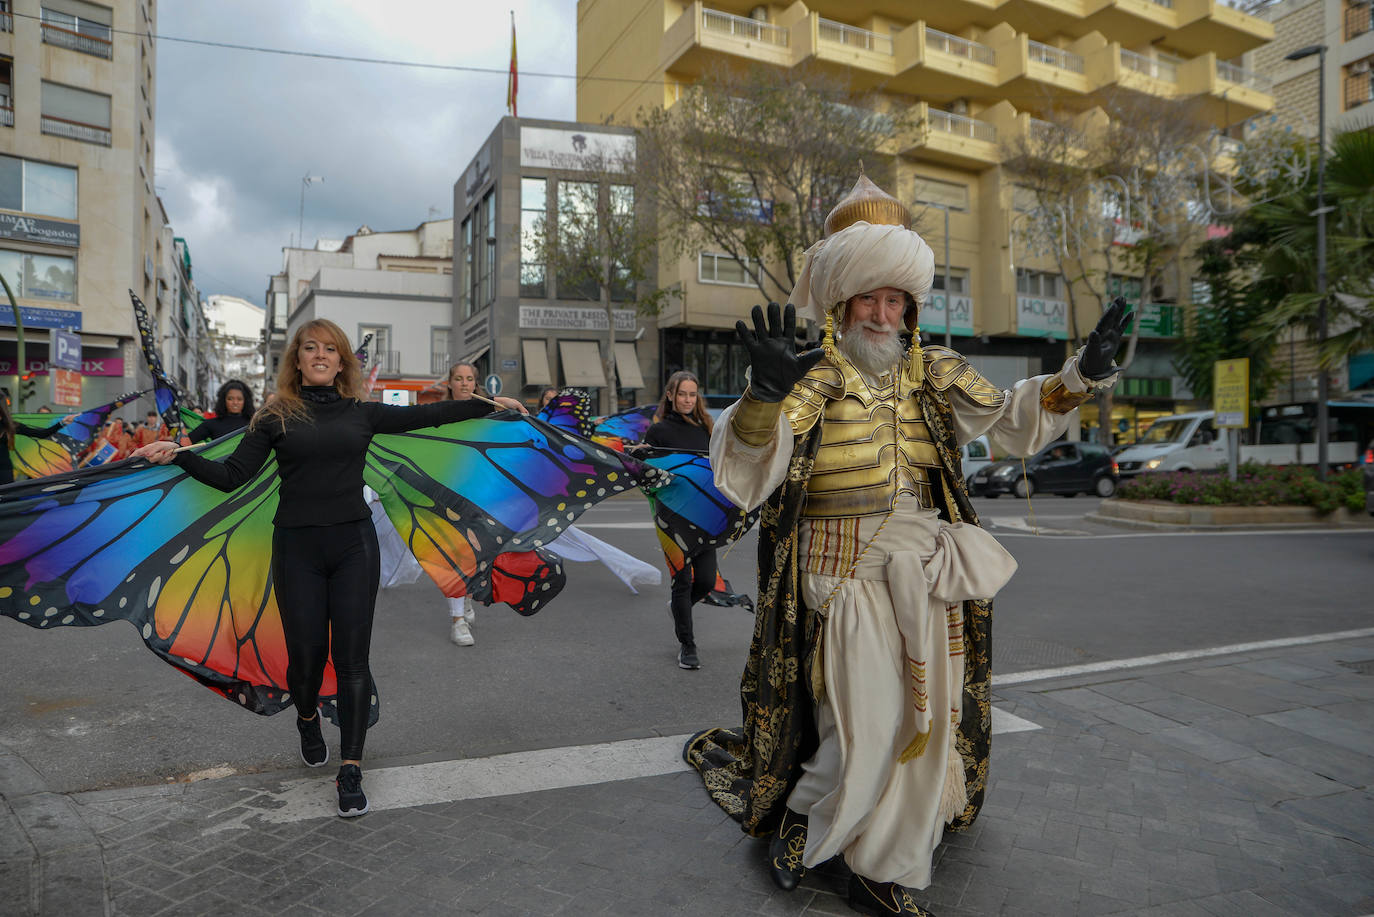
774, 364
1095, 362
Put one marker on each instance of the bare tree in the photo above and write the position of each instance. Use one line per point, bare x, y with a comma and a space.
599, 246
1116, 190
749, 163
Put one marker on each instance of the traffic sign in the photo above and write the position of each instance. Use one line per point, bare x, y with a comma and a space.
66, 350
493, 384
1231, 393
66, 387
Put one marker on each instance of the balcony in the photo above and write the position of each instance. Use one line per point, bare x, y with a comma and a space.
1034, 70
6, 116
931, 61
1231, 94
75, 130
1358, 20
703, 40
1163, 67
84, 42
1050, 56
952, 138
850, 37
1209, 25
388, 360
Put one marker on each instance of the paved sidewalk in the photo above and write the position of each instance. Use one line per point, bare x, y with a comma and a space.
1228, 785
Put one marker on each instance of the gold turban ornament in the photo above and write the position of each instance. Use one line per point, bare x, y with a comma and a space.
868, 244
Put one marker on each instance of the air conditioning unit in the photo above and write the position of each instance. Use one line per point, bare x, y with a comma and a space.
1360, 66
759, 13
958, 107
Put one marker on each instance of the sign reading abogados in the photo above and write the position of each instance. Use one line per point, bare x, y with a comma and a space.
1231, 393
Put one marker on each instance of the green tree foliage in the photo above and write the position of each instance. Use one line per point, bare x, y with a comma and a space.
1219, 329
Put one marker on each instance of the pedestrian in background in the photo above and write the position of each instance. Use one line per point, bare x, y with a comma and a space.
548, 394
681, 422
233, 411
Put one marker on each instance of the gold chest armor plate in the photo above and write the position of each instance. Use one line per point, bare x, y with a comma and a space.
869, 454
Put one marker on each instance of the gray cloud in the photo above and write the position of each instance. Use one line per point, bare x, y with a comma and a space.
237, 130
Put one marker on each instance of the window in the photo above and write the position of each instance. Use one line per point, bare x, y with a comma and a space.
534, 202
1129, 287
479, 256
958, 281
465, 272
37, 187
716, 268
34, 276
1037, 283
439, 349
1024, 200
379, 350
75, 113
621, 209
579, 259
941, 193
78, 25
1201, 293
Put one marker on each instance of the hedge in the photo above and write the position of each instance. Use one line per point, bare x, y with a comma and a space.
1255, 485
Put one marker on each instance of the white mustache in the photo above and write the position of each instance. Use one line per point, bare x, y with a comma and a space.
877, 328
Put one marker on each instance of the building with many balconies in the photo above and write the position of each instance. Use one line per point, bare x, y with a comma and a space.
976, 74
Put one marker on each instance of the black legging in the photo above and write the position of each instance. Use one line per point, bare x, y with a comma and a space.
692, 584
326, 579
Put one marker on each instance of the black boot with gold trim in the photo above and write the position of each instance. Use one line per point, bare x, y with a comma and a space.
785, 851
882, 899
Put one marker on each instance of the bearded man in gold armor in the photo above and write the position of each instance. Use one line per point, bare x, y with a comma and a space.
866, 692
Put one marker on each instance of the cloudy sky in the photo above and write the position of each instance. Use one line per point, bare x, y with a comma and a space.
237, 130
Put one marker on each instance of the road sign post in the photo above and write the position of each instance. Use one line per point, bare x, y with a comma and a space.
1231, 404
492, 384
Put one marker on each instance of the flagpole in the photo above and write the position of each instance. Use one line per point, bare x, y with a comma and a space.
513, 81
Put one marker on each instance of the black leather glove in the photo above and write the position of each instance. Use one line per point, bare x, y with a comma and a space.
1095, 362
774, 364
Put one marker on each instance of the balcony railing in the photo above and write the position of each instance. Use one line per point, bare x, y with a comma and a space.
438, 363
390, 361
1358, 20
6, 21
6, 116
78, 41
959, 47
1163, 67
1056, 57
1167, 4
851, 37
1242, 77
74, 130
959, 125
1046, 132
743, 27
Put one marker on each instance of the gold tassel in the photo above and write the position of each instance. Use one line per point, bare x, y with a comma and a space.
917, 746
828, 338
954, 797
915, 370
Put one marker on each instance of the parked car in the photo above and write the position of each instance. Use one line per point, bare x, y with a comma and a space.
975, 454
1063, 468
1369, 479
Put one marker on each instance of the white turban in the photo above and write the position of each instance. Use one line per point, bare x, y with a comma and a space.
859, 258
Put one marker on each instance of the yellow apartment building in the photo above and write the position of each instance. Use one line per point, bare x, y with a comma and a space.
80, 224
978, 73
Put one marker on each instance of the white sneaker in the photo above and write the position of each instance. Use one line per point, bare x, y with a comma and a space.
470, 610
460, 633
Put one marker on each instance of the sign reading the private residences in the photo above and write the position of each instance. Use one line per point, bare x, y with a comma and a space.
32, 229
1041, 317
933, 315
568, 318
582, 151
37, 317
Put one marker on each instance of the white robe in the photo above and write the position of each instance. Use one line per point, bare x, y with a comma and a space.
885, 816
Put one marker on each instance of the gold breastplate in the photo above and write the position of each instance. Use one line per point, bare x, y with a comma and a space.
874, 446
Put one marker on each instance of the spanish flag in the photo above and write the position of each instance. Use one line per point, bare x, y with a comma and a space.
513, 83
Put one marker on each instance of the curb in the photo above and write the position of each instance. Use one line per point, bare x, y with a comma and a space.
48, 854
1148, 526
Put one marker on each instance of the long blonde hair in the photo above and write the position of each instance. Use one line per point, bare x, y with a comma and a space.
665, 404
287, 405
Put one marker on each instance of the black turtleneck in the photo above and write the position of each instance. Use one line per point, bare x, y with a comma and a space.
675, 431
320, 458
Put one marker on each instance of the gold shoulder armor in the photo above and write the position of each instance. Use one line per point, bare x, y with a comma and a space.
947, 369
803, 405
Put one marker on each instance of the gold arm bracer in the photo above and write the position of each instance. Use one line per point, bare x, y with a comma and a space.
755, 422
1056, 398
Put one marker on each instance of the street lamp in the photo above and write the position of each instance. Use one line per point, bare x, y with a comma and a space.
949, 303
306, 182
1323, 383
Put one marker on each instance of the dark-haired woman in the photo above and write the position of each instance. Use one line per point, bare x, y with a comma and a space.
324, 547
681, 422
233, 411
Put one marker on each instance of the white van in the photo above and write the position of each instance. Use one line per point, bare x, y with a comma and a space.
975, 454
1189, 442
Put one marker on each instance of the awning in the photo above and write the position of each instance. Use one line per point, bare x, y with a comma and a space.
582, 363
536, 356
478, 354
627, 365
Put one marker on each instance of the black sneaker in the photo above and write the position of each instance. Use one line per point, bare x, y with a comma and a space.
352, 800
687, 657
314, 752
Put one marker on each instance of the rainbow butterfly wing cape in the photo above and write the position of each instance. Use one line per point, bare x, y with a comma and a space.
60, 449
190, 567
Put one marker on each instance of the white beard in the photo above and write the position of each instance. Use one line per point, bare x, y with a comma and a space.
871, 354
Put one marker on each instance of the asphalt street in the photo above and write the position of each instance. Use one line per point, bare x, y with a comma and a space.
538, 771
